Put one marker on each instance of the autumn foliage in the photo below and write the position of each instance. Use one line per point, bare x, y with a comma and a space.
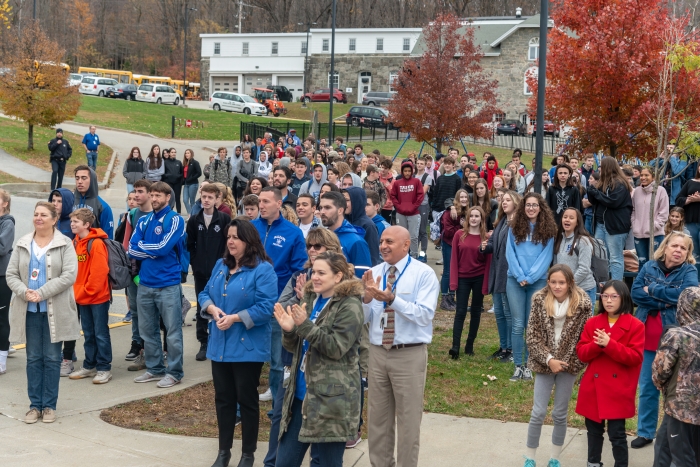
444, 94
34, 86
603, 62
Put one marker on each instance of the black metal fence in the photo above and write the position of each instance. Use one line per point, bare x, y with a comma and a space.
552, 145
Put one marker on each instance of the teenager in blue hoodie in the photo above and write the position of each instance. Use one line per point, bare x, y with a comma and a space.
87, 196
529, 252
354, 246
356, 198
62, 200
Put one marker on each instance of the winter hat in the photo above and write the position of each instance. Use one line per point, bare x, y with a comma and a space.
59, 130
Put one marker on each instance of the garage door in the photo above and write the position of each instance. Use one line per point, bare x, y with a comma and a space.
224, 83
293, 83
256, 81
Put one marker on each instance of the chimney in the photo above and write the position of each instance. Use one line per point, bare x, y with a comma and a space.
518, 12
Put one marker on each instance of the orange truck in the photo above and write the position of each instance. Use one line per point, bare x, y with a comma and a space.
268, 98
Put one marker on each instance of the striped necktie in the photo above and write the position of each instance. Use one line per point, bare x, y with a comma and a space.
388, 332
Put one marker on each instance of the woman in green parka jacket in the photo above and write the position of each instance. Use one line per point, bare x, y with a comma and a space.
322, 398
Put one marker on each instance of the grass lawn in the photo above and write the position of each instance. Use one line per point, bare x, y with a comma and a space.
157, 119
7, 178
295, 110
13, 139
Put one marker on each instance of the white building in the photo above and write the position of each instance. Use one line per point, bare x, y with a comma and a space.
365, 60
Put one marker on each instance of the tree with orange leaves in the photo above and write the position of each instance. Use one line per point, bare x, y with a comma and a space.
34, 88
445, 94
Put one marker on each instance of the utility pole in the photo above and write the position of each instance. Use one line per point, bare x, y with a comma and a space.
184, 57
541, 83
306, 58
240, 14
330, 106
34, 14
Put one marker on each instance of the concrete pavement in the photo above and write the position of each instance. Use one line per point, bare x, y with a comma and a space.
20, 169
79, 436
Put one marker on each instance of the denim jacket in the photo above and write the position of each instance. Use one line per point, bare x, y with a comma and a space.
251, 293
663, 291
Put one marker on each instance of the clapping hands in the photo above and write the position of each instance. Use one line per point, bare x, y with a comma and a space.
601, 337
373, 289
294, 315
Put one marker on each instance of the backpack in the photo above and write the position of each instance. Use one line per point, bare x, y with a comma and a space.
119, 264
436, 228
599, 261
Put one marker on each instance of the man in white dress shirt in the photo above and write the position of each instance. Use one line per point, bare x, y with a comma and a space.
399, 303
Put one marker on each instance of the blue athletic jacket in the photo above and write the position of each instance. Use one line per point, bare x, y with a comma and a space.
284, 244
153, 242
354, 247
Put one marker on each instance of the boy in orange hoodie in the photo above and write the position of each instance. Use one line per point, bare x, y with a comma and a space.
92, 295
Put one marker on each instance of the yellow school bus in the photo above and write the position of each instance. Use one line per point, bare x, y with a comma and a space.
120, 75
180, 86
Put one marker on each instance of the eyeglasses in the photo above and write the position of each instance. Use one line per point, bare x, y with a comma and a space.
606, 296
315, 246
532, 206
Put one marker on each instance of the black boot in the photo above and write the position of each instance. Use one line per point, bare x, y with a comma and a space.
469, 348
223, 458
454, 353
247, 460
202, 354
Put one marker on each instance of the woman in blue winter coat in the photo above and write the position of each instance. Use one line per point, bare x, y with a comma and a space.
529, 253
238, 300
656, 290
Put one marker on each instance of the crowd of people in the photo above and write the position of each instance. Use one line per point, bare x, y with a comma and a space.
311, 256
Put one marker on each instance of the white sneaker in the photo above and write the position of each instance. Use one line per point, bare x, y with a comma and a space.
102, 377
3, 368
266, 396
67, 367
490, 310
11, 350
287, 374
83, 373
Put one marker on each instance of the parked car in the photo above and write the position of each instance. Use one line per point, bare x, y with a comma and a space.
96, 86
324, 95
75, 79
368, 117
158, 93
234, 102
550, 128
283, 93
122, 91
511, 127
270, 100
377, 98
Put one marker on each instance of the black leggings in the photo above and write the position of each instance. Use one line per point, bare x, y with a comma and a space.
465, 287
618, 440
69, 346
5, 296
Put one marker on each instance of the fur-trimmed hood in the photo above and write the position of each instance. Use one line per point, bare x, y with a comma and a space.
347, 288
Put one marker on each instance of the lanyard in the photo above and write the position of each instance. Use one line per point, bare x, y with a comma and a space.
393, 287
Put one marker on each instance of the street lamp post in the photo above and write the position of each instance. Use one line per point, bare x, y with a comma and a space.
306, 58
541, 83
332, 79
184, 57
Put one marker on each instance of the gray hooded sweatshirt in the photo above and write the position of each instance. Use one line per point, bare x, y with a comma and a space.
312, 186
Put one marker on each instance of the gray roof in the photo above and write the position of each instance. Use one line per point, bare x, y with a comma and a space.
490, 32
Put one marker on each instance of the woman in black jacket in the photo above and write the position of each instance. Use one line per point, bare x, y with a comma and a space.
612, 212
173, 175
563, 192
191, 171
134, 169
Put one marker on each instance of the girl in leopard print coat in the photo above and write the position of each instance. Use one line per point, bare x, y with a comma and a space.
558, 316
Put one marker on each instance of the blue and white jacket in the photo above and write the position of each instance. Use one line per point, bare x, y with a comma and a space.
250, 293
153, 243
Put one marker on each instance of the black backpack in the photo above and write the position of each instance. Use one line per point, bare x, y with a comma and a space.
119, 264
599, 261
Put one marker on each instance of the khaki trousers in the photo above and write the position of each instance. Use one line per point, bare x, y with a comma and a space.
396, 386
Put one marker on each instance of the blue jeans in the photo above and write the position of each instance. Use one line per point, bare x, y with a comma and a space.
504, 322
154, 304
588, 222
189, 196
642, 247
615, 244
276, 367
43, 363
98, 345
694, 230
520, 301
132, 294
291, 451
592, 294
446, 257
92, 160
648, 413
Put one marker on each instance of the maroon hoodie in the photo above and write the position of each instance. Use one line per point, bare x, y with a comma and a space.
407, 193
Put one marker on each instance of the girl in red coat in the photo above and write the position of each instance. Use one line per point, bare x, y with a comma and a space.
612, 344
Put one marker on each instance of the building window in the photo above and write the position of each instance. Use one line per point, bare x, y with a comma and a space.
499, 117
531, 72
245, 48
325, 45
217, 48
393, 76
406, 44
275, 48
304, 47
352, 46
380, 44
336, 80
533, 51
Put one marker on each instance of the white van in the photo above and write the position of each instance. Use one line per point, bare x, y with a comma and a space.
233, 102
158, 93
95, 86
75, 79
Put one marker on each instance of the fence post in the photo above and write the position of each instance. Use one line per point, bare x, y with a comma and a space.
360, 133
172, 128
347, 133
